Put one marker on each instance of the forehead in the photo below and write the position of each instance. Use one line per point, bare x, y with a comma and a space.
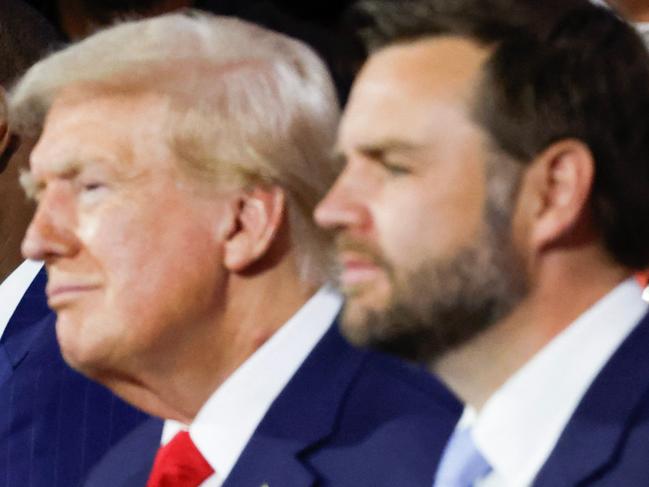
85, 125
425, 83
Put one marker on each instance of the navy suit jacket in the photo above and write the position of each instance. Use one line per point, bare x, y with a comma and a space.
606, 442
347, 418
54, 423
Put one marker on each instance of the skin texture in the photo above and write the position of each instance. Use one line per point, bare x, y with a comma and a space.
143, 263
418, 191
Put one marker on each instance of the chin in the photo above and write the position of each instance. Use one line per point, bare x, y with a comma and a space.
83, 355
356, 324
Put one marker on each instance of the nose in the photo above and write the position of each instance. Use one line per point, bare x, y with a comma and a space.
50, 233
344, 206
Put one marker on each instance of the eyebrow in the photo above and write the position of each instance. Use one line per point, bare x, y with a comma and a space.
387, 147
32, 185
29, 184
379, 149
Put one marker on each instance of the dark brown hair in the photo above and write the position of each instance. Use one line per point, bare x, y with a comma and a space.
558, 69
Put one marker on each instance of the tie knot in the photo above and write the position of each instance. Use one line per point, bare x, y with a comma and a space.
462, 463
179, 464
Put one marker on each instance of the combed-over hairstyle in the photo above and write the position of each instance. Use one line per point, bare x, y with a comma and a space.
246, 105
558, 69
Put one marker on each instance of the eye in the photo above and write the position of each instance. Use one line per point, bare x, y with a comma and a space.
92, 186
396, 169
387, 160
91, 191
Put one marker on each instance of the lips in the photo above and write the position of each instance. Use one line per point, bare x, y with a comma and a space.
357, 269
61, 294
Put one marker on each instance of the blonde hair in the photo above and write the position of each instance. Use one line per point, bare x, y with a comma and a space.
245, 102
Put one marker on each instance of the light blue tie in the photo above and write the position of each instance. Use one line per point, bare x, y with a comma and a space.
462, 463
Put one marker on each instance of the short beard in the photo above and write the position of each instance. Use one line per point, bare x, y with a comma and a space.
443, 304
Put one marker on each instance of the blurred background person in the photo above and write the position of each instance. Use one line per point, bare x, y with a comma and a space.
637, 11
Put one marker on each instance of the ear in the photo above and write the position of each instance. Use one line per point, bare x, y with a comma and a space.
258, 218
561, 180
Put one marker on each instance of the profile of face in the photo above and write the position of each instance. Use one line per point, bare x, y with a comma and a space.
132, 249
423, 208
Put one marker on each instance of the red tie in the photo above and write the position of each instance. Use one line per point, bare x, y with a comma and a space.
179, 464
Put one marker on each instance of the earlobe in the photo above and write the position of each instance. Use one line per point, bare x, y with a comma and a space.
259, 215
563, 185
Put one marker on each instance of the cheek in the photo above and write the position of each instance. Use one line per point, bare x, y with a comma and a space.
132, 246
418, 224
90, 229
115, 237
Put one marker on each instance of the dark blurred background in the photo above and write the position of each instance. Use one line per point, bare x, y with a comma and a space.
320, 23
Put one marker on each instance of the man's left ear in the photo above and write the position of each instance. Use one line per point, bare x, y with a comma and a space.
561, 181
259, 215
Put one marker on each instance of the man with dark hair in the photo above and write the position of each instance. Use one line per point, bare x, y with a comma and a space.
54, 423
491, 214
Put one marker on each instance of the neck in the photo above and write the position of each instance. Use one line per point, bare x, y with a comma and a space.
567, 285
256, 308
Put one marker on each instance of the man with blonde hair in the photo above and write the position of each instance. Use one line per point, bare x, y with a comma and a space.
178, 168
53, 421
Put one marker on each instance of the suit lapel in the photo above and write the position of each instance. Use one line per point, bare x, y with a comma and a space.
129, 462
598, 427
31, 315
300, 417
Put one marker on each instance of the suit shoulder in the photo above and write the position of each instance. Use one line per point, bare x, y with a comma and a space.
401, 382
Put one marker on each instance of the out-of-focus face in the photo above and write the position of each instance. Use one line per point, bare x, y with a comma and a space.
421, 208
15, 209
132, 251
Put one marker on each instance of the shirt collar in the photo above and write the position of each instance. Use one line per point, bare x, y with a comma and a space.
14, 287
522, 421
230, 416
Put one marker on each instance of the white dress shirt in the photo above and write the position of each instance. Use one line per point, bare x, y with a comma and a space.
520, 424
226, 422
13, 288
